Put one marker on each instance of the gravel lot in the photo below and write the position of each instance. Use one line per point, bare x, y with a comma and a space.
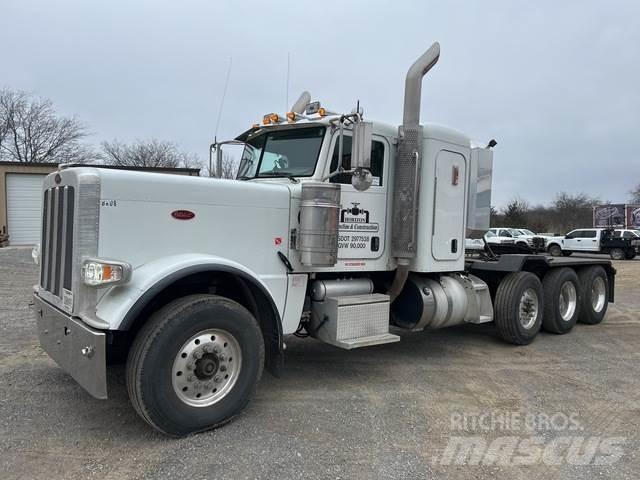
381, 412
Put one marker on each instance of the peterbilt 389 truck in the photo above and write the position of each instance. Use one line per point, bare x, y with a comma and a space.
336, 228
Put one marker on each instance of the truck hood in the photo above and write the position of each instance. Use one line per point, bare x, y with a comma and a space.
144, 217
150, 187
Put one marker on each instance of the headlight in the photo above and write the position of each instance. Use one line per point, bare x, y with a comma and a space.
96, 273
35, 254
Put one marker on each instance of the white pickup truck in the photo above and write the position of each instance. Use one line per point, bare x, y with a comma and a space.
619, 244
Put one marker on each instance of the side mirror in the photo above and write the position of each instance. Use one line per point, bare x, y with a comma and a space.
361, 145
361, 155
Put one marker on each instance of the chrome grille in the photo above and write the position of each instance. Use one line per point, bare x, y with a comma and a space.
57, 239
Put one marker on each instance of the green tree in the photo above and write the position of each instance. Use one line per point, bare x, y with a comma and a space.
515, 213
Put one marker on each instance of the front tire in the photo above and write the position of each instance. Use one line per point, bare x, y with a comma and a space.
555, 250
594, 290
195, 364
562, 300
519, 305
617, 254
630, 255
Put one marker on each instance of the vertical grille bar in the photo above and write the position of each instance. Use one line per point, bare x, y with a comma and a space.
61, 240
68, 259
50, 245
57, 241
44, 248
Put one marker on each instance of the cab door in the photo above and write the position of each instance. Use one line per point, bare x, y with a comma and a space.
572, 241
361, 232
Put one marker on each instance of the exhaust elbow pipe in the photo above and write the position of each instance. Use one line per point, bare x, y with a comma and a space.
413, 84
405, 203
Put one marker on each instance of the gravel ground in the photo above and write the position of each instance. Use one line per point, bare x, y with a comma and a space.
390, 411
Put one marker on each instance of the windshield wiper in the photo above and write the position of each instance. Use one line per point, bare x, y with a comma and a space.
288, 175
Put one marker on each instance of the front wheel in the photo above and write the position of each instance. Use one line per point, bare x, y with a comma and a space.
555, 250
617, 254
195, 364
630, 255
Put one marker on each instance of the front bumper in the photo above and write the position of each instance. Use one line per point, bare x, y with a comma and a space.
77, 348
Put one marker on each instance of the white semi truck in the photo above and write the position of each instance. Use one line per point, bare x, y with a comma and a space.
336, 228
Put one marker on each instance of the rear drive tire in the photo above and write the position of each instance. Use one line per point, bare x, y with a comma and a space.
519, 305
617, 254
561, 300
594, 292
195, 364
555, 250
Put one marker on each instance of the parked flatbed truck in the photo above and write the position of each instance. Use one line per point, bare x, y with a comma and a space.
336, 228
595, 241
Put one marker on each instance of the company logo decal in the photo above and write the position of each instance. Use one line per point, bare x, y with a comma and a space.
183, 214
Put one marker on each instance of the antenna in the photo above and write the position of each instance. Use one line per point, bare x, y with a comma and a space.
286, 106
224, 94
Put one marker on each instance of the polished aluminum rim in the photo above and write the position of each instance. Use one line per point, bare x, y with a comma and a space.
206, 367
568, 300
598, 294
528, 309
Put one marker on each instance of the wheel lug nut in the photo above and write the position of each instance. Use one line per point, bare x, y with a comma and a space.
216, 349
222, 358
190, 378
197, 354
208, 348
217, 378
189, 366
223, 368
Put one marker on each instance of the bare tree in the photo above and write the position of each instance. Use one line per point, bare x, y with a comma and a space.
635, 194
31, 131
571, 211
229, 167
150, 153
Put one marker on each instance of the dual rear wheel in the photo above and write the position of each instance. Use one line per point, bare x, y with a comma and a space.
524, 304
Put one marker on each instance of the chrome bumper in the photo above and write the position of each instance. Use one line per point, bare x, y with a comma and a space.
78, 349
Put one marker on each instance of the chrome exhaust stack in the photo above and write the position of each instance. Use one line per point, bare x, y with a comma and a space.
407, 173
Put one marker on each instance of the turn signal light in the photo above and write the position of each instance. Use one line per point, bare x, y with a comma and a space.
322, 112
291, 116
96, 273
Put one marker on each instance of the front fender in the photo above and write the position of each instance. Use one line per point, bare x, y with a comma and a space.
118, 302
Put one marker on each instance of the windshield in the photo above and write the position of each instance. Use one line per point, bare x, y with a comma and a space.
282, 153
